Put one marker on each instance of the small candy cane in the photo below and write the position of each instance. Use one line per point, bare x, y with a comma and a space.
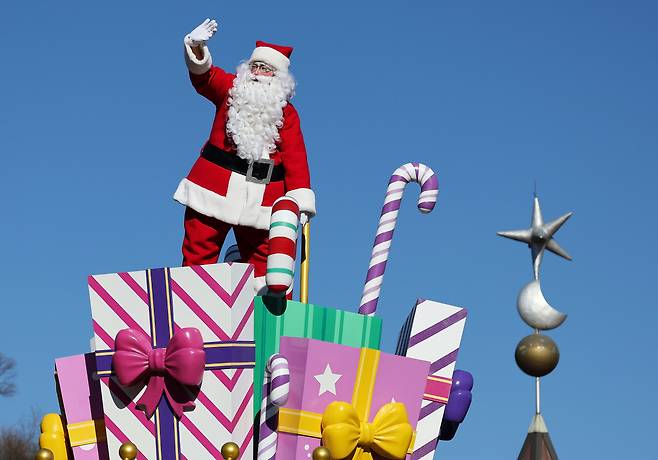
276, 385
284, 224
429, 191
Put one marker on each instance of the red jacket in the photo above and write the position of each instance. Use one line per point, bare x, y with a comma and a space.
226, 195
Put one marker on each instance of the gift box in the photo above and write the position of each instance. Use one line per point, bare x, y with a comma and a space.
80, 399
348, 397
275, 317
175, 357
432, 332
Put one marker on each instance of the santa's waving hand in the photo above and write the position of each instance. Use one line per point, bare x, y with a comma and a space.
202, 33
254, 155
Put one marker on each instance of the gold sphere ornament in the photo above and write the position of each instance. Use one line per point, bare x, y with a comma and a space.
321, 453
537, 355
44, 454
128, 451
230, 451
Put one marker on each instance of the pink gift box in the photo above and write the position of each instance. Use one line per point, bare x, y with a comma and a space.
80, 397
323, 372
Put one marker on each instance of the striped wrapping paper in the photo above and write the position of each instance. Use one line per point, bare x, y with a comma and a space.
218, 301
433, 332
294, 319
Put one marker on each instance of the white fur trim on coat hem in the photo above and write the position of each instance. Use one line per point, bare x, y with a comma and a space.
229, 210
305, 198
194, 65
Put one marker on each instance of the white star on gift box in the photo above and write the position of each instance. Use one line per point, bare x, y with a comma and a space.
327, 381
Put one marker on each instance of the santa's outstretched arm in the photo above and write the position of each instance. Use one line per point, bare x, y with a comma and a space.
197, 55
208, 80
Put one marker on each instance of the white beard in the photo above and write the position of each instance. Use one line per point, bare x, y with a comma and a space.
255, 112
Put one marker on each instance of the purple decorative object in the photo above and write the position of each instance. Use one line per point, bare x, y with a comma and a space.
458, 404
460, 396
429, 191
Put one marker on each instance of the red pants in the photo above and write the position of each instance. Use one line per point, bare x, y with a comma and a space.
204, 237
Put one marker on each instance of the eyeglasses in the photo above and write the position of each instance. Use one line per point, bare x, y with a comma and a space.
262, 67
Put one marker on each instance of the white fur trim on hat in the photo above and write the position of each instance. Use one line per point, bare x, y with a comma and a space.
194, 65
270, 56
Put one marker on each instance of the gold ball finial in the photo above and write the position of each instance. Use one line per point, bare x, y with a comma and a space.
537, 355
230, 451
44, 454
321, 453
128, 451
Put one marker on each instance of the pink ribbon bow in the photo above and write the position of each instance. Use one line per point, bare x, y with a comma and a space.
167, 370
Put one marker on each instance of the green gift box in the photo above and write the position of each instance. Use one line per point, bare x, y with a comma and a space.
275, 318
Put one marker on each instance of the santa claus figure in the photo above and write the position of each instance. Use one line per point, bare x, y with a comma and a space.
255, 153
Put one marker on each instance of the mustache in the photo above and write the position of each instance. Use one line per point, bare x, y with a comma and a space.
262, 78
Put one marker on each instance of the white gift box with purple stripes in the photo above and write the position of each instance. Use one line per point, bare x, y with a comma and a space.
217, 300
432, 332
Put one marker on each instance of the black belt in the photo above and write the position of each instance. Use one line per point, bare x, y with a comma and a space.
260, 172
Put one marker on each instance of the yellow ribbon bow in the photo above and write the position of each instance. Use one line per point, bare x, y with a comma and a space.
345, 435
53, 437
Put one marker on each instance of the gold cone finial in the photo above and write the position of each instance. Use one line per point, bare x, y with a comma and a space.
321, 453
128, 451
230, 451
44, 454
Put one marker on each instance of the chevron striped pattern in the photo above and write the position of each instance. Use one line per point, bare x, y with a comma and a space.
218, 301
432, 332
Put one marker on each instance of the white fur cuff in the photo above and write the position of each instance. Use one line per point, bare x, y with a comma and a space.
194, 65
305, 198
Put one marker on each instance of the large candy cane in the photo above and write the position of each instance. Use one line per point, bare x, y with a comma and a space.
429, 191
276, 385
284, 224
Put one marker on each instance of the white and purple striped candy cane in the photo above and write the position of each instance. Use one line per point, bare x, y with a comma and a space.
429, 191
276, 384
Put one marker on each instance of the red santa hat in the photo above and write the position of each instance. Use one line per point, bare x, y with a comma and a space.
275, 55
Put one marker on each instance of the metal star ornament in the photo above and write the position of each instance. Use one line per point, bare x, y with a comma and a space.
540, 236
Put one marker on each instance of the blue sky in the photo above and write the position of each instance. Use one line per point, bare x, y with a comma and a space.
98, 122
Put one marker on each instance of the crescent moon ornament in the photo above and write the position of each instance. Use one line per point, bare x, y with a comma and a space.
535, 310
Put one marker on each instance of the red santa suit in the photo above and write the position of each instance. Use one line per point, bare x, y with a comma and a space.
217, 196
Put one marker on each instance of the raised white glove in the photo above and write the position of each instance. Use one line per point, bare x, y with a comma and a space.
303, 218
202, 33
